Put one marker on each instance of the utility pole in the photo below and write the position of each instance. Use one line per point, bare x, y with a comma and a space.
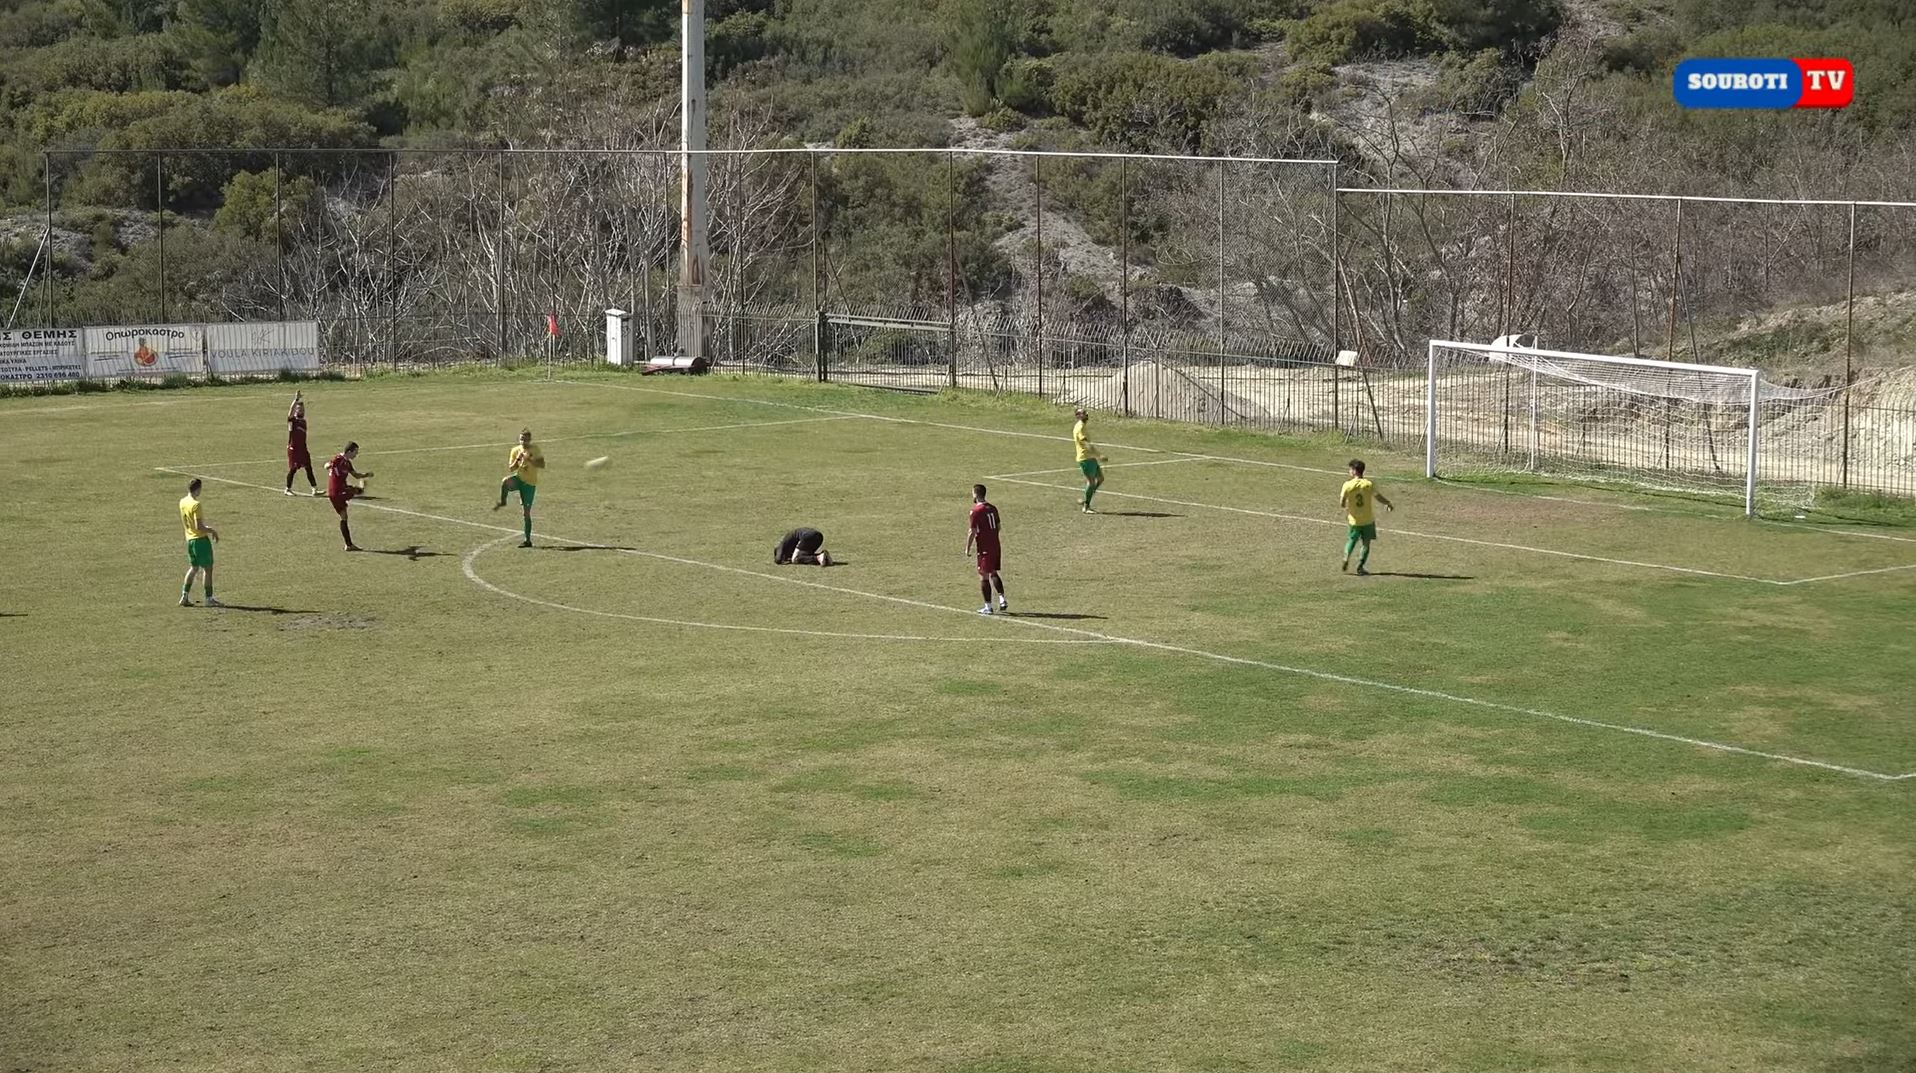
694, 221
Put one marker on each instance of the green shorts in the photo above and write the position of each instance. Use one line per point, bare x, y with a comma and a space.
199, 551
526, 491
1090, 469
1366, 533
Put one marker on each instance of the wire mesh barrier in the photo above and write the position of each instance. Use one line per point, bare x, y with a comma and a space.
1220, 291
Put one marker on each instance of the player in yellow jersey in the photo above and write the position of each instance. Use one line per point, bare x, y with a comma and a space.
525, 462
1088, 459
1356, 499
199, 545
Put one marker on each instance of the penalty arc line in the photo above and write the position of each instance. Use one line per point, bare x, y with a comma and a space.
1235, 461
469, 566
1852, 573
1302, 672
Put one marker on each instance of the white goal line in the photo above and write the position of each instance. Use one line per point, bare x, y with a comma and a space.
1302, 672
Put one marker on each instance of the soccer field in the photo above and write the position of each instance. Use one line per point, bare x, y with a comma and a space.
1585, 781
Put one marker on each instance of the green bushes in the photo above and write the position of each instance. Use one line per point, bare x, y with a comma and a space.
1141, 100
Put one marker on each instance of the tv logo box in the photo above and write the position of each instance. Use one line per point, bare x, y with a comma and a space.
1765, 83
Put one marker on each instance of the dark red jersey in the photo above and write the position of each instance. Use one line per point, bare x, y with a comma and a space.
984, 528
296, 434
336, 473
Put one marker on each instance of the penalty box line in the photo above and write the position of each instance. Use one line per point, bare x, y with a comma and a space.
1406, 532
1196, 456
1217, 657
553, 439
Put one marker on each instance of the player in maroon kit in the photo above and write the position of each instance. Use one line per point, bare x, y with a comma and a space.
296, 456
339, 492
983, 532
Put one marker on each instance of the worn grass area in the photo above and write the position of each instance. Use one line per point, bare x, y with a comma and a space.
391, 818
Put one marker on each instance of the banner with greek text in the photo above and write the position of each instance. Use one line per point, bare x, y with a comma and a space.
143, 351
28, 355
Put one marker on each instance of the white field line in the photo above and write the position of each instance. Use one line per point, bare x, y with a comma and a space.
1302, 672
1107, 465
1852, 573
468, 564
504, 444
184, 399
1394, 531
1220, 458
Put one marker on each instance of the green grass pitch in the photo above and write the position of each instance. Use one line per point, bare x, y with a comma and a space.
1586, 782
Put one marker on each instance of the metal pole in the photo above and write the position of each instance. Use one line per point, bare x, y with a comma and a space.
951, 259
1124, 280
279, 237
1223, 299
1676, 288
1037, 173
1849, 339
499, 267
1749, 475
694, 242
392, 256
1337, 265
1430, 413
47, 159
159, 214
817, 299
1534, 436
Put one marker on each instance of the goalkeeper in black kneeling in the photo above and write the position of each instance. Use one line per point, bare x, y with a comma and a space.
801, 546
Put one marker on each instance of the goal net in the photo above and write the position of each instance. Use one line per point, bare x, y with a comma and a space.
1716, 430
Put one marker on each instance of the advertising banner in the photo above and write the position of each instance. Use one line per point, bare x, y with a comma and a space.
263, 348
28, 355
143, 351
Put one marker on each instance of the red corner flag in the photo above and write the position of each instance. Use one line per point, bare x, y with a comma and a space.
552, 325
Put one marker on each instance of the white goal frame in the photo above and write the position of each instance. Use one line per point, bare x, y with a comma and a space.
1491, 350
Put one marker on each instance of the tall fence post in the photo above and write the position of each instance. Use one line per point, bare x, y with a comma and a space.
392, 257
159, 215
1037, 180
1223, 297
499, 269
1676, 292
279, 236
1124, 280
47, 159
951, 260
1849, 339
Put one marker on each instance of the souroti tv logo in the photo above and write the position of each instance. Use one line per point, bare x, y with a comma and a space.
1765, 83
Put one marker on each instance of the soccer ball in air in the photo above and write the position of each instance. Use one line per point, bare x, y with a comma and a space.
598, 463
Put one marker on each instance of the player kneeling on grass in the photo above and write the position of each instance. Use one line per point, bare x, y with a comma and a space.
338, 492
983, 532
199, 545
1356, 500
525, 462
801, 546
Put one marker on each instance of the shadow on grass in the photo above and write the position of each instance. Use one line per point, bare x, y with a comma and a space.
584, 547
1423, 577
11, 614
414, 552
1139, 514
264, 610
1051, 614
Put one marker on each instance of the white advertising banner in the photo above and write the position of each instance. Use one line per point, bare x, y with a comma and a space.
34, 354
262, 348
138, 351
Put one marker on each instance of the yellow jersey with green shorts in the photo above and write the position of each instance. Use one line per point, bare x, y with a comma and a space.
1087, 454
1359, 508
525, 462
199, 546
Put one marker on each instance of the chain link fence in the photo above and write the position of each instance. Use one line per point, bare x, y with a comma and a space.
1195, 289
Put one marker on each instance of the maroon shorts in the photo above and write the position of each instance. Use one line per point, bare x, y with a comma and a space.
339, 501
297, 457
988, 562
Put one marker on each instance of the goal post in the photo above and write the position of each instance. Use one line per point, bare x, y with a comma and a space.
1499, 408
